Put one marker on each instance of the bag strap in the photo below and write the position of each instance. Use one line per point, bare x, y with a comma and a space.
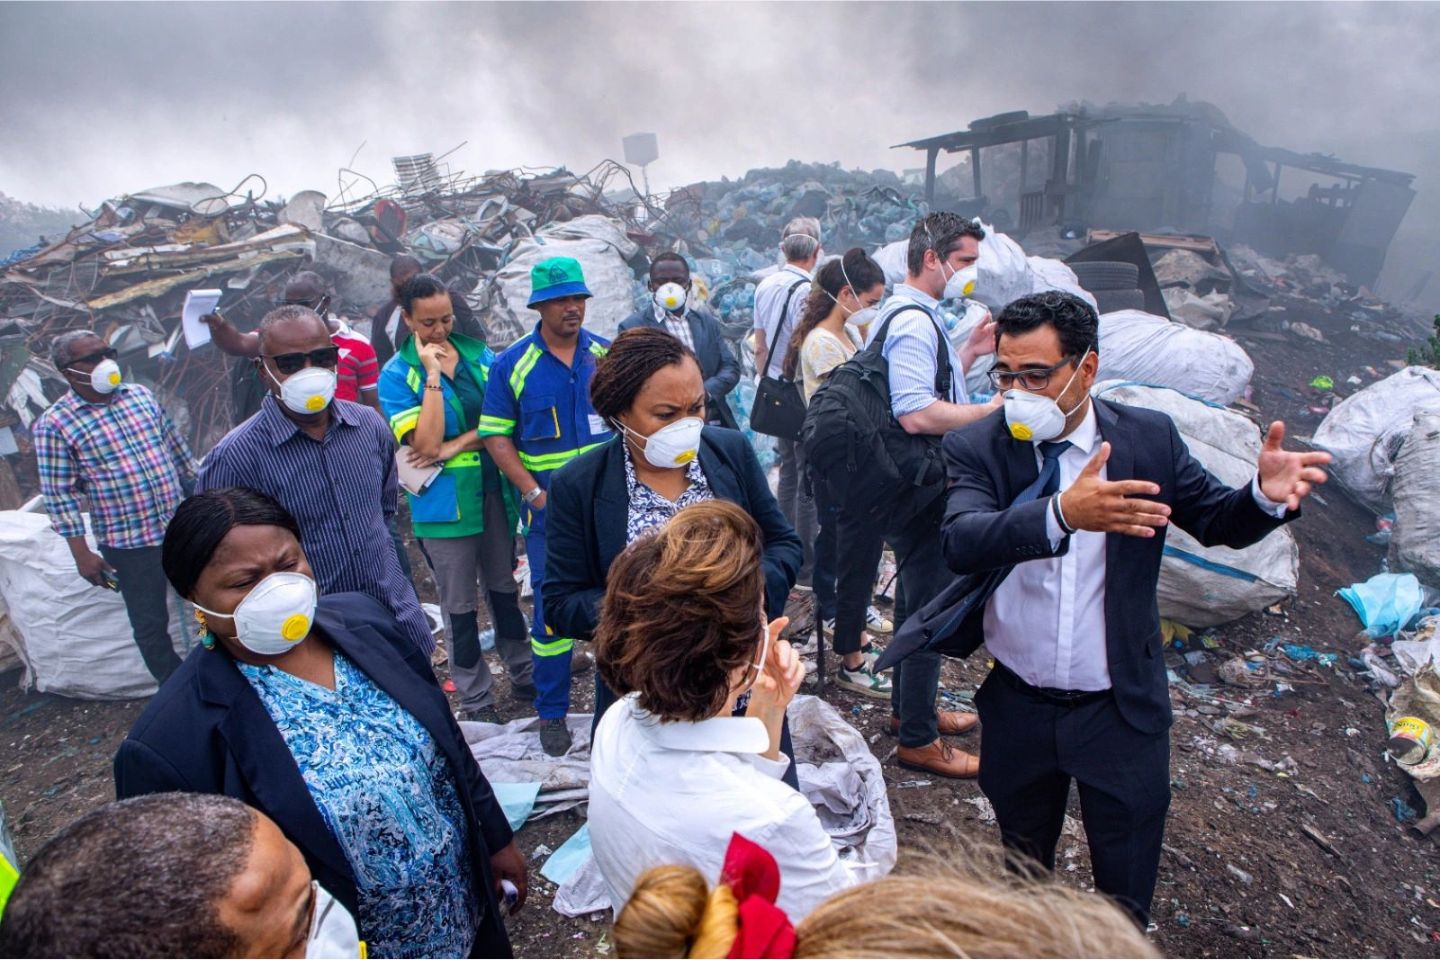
784, 312
943, 370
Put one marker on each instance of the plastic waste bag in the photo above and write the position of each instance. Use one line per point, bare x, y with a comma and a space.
1415, 540
76, 639
1385, 603
1145, 348
1006, 273
1202, 586
1365, 431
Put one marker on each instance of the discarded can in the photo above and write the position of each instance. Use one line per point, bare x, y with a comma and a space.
1410, 740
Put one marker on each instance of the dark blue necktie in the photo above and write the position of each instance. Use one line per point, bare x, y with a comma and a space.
1049, 481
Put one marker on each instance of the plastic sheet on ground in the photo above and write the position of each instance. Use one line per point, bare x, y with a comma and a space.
1204, 586
511, 753
1415, 540
1209, 312
1365, 431
516, 799
75, 637
1145, 348
1386, 602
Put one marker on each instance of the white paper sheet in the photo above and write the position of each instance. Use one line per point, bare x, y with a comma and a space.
197, 304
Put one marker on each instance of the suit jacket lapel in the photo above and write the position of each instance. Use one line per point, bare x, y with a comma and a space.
612, 505
1120, 466
720, 475
266, 763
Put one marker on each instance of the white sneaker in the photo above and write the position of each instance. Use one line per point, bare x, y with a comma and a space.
877, 622
865, 681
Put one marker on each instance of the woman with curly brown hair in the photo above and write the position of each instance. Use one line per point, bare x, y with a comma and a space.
673, 774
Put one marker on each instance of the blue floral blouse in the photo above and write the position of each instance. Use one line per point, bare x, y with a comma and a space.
650, 510
389, 798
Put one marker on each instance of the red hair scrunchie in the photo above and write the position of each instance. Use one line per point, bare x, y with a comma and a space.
753, 876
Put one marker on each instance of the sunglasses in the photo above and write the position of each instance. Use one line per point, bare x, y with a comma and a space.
288, 363
108, 353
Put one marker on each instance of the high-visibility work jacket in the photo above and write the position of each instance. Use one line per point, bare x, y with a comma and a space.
543, 405
453, 505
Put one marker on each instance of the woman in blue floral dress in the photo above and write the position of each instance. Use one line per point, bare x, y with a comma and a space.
318, 712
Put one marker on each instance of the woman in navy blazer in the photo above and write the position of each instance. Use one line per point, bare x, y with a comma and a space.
603, 499
213, 728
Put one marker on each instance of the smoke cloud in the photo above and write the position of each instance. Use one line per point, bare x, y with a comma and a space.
100, 99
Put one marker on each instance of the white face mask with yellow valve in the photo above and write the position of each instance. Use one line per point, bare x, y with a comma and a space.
308, 391
672, 297
960, 283
1035, 418
275, 615
673, 445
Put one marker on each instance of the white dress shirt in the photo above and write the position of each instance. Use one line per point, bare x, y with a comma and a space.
1046, 621
673, 793
770, 303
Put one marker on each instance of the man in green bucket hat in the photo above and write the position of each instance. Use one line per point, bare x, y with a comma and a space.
537, 418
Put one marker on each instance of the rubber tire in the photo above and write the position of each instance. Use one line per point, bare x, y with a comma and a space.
1107, 275
1111, 300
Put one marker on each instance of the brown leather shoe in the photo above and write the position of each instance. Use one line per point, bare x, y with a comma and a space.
940, 759
953, 723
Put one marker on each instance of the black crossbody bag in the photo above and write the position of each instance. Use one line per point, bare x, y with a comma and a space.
779, 409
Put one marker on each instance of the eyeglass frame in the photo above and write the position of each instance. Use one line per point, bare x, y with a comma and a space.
305, 359
994, 376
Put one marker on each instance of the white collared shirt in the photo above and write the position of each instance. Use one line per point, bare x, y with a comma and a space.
673, 793
770, 303
1046, 621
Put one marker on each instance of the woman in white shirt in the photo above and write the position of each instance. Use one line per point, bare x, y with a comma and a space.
830, 331
682, 637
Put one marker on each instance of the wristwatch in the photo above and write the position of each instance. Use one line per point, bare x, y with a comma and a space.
534, 494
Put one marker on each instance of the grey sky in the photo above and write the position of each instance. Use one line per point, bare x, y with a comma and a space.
97, 100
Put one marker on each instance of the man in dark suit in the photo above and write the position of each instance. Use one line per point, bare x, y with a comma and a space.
697, 329
1079, 689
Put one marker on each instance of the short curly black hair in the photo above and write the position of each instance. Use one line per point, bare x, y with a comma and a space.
633, 358
138, 878
1073, 319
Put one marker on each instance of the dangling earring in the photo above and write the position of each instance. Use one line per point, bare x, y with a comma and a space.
206, 638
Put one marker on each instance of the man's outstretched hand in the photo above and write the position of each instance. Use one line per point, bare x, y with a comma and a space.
1112, 506
1287, 476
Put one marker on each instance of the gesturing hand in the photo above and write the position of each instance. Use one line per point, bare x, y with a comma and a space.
1285, 476
1107, 506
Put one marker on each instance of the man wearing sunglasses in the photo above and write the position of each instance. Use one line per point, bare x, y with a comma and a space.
1068, 497
330, 462
357, 374
113, 442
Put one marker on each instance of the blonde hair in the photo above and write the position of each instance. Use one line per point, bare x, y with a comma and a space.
977, 904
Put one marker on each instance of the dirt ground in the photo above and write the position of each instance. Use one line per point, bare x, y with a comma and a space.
1309, 860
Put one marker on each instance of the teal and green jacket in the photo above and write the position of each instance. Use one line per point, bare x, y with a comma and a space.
453, 505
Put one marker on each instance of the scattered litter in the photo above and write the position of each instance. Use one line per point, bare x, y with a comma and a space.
1385, 603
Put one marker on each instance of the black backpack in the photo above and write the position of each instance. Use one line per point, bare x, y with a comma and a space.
858, 456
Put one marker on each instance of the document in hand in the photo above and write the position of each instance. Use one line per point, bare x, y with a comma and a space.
197, 304
414, 479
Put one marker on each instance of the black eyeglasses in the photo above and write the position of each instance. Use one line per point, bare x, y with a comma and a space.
108, 353
1032, 380
288, 363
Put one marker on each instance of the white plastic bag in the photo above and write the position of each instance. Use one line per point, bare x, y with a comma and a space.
75, 637
1203, 586
1006, 273
1143, 348
1415, 543
602, 249
1364, 431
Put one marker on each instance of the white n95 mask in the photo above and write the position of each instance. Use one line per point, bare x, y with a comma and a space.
671, 296
1036, 418
673, 445
332, 930
104, 376
961, 283
308, 391
275, 615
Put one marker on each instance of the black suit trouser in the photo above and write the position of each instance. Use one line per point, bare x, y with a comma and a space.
921, 575
1031, 747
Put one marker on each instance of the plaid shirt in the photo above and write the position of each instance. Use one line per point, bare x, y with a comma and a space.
125, 456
